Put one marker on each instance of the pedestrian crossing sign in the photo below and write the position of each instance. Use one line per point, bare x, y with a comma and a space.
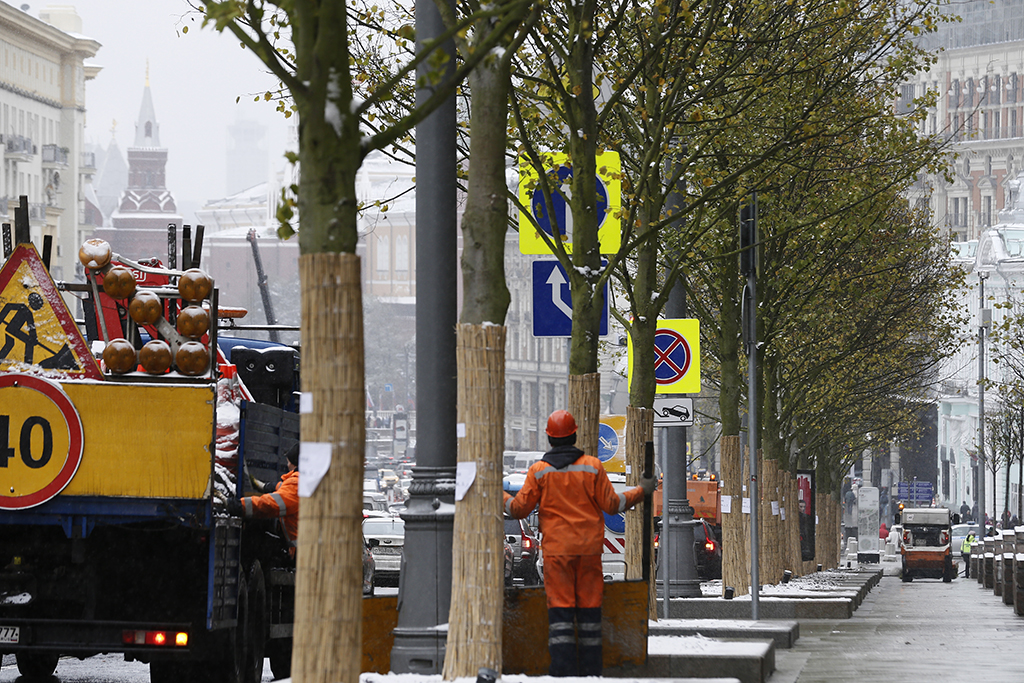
37, 333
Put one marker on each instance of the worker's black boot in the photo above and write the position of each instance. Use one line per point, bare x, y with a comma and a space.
588, 620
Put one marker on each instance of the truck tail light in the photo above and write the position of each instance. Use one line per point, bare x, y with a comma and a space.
157, 638
710, 545
527, 543
906, 536
943, 537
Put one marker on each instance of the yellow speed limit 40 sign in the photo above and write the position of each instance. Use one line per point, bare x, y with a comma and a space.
40, 441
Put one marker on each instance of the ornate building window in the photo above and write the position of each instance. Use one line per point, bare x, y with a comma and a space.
383, 253
402, 253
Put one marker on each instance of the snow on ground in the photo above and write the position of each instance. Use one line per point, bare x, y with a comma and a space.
799, 586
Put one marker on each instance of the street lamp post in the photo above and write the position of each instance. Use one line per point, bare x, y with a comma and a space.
983, 324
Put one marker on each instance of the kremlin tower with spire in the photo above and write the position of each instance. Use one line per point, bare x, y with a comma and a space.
146, 208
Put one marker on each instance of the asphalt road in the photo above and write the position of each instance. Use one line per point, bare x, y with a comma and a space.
920, 631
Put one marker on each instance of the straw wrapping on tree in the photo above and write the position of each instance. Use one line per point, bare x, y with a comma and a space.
734, 544
329, 581
639, 430
585, 406
475, 618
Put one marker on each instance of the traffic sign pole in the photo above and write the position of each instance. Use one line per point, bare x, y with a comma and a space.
748, 235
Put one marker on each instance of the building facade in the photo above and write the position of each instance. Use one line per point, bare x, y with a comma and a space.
979, 82
43, 73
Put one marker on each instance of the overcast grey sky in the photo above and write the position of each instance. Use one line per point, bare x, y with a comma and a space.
194, 77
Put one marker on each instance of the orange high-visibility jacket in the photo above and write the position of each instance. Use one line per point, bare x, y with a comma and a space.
571, 501
282, 504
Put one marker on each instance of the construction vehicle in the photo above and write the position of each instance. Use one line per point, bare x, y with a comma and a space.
704, 495
925, 546
115, 469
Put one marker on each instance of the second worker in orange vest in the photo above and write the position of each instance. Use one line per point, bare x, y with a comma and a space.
572, 490
282, 503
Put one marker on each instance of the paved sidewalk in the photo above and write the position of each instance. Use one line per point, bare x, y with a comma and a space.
920, 631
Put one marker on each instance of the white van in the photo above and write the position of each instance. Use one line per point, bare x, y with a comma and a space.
514, 461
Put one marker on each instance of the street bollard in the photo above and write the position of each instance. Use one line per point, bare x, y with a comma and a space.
997, 564
977, 548
1018, 570
1009, 547
987, 562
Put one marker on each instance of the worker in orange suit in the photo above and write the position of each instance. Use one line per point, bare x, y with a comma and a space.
572, 490
281, 503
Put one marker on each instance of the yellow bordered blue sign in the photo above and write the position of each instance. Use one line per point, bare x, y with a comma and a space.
676, 356
609, 203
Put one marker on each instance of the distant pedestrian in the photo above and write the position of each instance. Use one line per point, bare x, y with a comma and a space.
1014, 521
965, 553
965, 511
883, 531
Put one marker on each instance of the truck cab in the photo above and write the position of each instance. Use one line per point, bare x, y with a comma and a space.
925, 544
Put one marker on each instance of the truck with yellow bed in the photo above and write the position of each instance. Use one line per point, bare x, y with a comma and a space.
118, 447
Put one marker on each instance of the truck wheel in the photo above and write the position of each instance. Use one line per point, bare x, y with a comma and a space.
36, 666
257, 630
907, 578
280, 654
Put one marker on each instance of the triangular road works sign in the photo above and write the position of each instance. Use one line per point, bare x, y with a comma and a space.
37, 333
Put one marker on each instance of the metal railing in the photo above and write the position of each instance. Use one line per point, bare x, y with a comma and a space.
53, 154
19, 144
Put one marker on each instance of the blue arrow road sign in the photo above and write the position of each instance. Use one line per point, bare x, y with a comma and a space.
552, 302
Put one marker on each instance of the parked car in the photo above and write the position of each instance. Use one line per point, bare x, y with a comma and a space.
389, 534
525, 547
707, 549
368, 566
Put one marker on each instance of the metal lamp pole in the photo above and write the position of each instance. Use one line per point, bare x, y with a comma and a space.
748, 267
983, 323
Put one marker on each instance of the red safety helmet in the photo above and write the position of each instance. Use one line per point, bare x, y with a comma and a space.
561, 424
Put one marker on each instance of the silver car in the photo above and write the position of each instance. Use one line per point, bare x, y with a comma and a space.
389, 534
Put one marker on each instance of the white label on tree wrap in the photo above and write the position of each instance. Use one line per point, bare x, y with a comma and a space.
465, 473
314, 461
